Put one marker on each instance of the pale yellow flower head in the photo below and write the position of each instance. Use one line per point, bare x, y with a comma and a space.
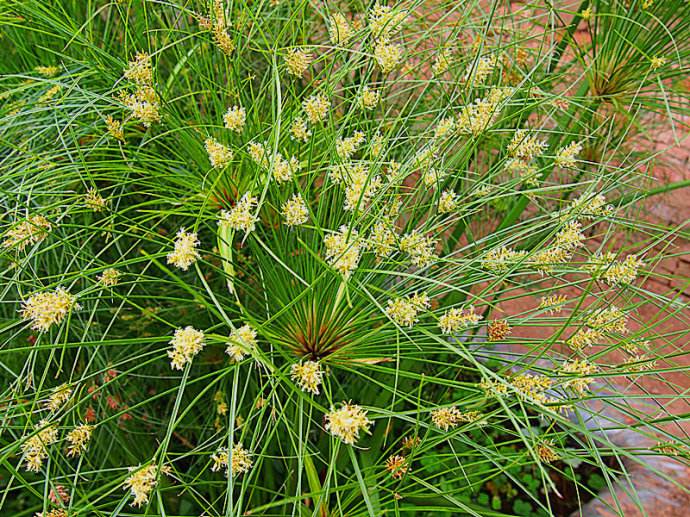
185, 252
32, 230
308, 376
218, 154
347, 422
241, 342
35, 448
240, 463
339, 29
295, 211
240, 217
78, 439
186, 343
141, 482
235, 118
298, 61
48, 308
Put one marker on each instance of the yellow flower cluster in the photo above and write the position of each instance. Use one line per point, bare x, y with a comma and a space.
139, 70
298, 61
32, 230
347, 422
184, 253
419, 247
442, 61
240, 463
241, 341
35, 448
143, 103
240, 217
115, 128
404, 311
480, 69
235, 118
397, 466
48, 308
382, 239
339, 29
385, 21
141, 482
553, 303
456, 319
346, 147
110, 277
47, 71
220, 27
545, 451
343, 250
59, 396
566, 241
316, 108
388, 55
587, 207
566, 156
599, 323
308, 376
186, 343
360, 187
295, 211
449, 417
578, 371
218, 154
477, 117
368, 98
78, 439
94, 201
533, 388
299, 130
612, 271
501, 259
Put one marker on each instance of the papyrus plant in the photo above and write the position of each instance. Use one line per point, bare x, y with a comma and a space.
297, 258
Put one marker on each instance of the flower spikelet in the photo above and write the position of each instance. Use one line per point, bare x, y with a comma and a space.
347, 422
48, 308
32, 230
241, 217
343, 250
299, 130
110, 277
388, 55
58, 397
218, 154
566, 156
578, 371
240, 463
397, 466
339, 29
242, 341
404, 311
297, 61
78, 439
368, 98
295, 211
235, 118
186, 343
308, 376
316, 107
420, 248
456, 319
141, 482
35, 448
184, 253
